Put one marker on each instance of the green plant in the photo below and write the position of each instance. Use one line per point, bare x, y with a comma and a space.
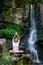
8, 9
7, 59
7, 5
10, 30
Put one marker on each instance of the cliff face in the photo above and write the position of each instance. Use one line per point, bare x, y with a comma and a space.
39, 19
41, 13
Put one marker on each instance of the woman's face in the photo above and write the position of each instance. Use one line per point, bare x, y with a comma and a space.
16, 39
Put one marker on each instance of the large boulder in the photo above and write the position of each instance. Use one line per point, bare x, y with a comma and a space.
3, 45
26, 59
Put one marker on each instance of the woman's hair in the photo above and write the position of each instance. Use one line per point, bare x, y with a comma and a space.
16, 37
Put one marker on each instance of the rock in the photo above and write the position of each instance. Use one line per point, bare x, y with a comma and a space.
2, 26
3, 45
2, 35
1, 51
26, 59
1, 19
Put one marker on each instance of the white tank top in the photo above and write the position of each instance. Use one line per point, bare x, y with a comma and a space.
16, 45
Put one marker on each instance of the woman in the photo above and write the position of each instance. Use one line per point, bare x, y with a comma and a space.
15, 44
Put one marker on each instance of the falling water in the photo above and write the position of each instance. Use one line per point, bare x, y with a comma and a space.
33, 35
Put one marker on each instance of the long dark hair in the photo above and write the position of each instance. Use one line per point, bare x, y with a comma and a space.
16, 37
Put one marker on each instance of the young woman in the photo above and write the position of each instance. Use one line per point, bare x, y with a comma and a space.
15, 44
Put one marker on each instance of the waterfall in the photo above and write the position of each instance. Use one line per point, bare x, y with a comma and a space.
33, 35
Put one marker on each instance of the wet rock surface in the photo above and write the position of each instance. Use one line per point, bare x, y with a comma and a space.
3, 45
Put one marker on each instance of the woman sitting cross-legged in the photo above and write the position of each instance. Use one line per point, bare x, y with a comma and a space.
15, 51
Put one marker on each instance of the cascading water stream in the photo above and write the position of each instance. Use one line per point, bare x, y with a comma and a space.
33, 35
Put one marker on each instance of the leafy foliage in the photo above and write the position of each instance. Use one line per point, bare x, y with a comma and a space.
10, 30
8, 10
20, 3
7, 5
7, 59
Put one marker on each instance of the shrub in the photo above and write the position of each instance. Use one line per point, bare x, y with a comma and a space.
7, 59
